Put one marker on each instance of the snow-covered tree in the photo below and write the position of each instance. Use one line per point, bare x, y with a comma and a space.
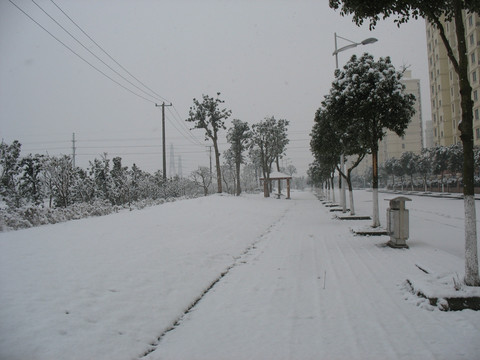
10, 167
435, 12
440, 162
424, 166
208, 116
339, 133
60, 175
455, 158
30, 178
409, 161
119, 175
238, 136
374, 101
270, 139
84, 186
389, 168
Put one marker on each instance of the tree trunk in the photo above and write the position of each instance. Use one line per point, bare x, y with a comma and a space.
376, 214
333, 189
238, 187
217, 163
466, 128
266, 192
350, 192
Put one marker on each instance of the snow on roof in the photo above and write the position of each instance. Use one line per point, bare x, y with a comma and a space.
278, 175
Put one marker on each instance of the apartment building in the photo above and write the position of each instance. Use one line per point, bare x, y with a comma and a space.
444, 84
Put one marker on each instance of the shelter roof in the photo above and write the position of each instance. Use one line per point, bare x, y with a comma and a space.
278, 176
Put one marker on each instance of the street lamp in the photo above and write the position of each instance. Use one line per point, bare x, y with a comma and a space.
350, 46
346, 47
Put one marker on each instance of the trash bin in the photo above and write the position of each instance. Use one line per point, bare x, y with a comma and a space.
397, 222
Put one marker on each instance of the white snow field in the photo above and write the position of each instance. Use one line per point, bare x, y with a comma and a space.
233, 278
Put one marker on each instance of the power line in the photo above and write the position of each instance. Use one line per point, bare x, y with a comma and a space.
186, 133
185, 126
186, 129
78, 55
82, 45
106, 53
189, 137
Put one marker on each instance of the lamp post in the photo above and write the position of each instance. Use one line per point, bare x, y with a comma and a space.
337, 50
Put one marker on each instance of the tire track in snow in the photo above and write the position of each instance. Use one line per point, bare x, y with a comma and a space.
240, 259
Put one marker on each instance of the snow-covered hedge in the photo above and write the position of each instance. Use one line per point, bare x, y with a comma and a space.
31, 216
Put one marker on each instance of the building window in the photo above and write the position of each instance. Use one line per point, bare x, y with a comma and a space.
440, 103
477, 117
472, 40
475, 95
441, 134
472, 58
434, 118
474, 76
470, 21
453, 108
403, 146
435, 132
477, 133
441, 118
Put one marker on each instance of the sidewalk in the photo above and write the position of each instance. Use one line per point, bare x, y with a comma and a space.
311, 290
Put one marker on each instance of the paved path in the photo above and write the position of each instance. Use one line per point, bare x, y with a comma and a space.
311, 290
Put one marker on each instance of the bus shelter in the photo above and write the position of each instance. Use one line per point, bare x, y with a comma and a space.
279, 177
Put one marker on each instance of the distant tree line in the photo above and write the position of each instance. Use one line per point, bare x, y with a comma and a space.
437, 167
36, 183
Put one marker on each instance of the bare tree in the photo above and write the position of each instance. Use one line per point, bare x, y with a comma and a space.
201, 177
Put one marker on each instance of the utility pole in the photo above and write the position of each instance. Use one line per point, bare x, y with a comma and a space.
73, 150
163, 141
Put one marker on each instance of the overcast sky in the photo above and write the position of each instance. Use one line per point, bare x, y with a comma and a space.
265, 57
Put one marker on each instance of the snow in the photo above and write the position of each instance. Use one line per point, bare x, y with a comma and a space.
274, 279
278, 175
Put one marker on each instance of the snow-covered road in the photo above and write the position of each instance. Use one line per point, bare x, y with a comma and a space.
311, 290
289, 283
